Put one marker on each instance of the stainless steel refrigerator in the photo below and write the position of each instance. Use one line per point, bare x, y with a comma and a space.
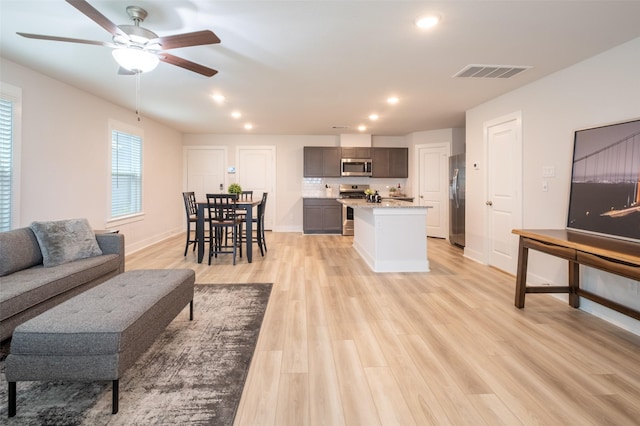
456, 199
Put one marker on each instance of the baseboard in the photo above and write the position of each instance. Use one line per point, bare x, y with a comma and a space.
474, 255
291, 228
137, 246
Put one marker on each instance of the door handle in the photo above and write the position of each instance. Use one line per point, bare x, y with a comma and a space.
489, 203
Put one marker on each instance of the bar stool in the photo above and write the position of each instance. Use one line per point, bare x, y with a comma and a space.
259, 221
222, 218
192, 212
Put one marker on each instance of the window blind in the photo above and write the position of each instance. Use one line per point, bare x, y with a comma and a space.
6, 162
126, 174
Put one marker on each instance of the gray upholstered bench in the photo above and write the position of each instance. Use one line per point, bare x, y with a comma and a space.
100, 333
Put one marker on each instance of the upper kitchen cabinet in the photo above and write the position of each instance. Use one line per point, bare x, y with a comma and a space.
322, 161
390, 162
356, 152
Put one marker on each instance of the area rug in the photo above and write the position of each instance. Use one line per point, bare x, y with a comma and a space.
193, 374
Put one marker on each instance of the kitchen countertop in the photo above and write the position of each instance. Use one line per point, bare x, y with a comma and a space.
402, 198
386, 203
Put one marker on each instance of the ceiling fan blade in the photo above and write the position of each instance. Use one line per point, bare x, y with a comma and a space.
66, 39
96, 16
186, 64
196, 38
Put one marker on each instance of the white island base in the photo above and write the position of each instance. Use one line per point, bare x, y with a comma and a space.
392, 239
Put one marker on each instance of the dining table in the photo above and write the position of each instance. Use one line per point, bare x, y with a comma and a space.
247, 205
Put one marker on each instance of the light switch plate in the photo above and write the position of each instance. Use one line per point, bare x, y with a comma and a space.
548, 171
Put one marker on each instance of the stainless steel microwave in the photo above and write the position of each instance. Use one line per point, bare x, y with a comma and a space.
355, 167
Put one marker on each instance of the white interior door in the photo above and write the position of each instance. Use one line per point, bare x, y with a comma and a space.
504, 190
433, 160
255, 172
205, 169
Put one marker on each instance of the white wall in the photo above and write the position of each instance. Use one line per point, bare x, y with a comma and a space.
65, 166
600, 90
455, 137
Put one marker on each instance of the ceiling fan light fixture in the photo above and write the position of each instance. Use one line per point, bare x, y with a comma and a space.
135, 60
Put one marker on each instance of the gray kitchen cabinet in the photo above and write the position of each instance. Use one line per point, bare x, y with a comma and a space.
356, 152
321, 161
321, 216
390, 163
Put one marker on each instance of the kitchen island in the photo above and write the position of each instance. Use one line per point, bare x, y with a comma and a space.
390, 236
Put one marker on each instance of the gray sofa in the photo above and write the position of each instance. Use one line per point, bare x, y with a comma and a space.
30, 283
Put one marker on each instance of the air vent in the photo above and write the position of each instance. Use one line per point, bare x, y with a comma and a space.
339, 127
490, 71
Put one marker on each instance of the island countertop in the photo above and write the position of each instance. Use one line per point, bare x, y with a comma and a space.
386, 203
390, 236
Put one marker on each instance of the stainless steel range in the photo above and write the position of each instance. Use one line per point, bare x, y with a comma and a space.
350, 191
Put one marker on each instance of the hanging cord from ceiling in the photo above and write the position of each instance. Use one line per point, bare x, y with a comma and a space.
138, 113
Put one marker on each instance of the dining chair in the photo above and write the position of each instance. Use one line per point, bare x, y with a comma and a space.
244, 196
191, 210
259, 221
222, 217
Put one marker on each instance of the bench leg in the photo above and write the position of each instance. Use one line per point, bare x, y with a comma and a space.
191, 310
114, 396
521, 274
574, 284
12, 399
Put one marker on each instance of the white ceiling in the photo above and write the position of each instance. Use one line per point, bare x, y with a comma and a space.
302, 67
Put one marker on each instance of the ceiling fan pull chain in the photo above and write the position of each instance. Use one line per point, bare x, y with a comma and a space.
138, 94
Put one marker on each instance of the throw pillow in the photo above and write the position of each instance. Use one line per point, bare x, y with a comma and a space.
64, 241
19, 250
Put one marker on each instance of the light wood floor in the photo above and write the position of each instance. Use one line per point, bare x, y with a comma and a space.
341, 345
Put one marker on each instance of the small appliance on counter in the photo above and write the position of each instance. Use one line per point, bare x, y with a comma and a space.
328, 191
350, 191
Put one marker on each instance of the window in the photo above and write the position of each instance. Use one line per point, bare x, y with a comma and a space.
10, 107
126, 174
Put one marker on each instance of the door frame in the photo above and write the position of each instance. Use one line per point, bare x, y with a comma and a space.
271, 204
517, 179
418, 167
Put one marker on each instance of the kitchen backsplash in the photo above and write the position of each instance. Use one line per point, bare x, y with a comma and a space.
316, 187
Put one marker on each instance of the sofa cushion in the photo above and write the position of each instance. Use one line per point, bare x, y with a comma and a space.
64, 241
27, 288
19, 250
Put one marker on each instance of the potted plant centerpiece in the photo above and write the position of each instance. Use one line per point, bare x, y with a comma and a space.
235, 188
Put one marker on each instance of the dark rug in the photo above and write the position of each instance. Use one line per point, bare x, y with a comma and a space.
193, 374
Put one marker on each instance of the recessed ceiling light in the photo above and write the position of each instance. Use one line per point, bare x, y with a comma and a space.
236, 114
248, 126
218, 98
392, 100
362, 127
373, 117
429, 21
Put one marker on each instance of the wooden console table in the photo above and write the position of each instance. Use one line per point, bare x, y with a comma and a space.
608, 254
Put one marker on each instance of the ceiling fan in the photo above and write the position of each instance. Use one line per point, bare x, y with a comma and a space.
137, 49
